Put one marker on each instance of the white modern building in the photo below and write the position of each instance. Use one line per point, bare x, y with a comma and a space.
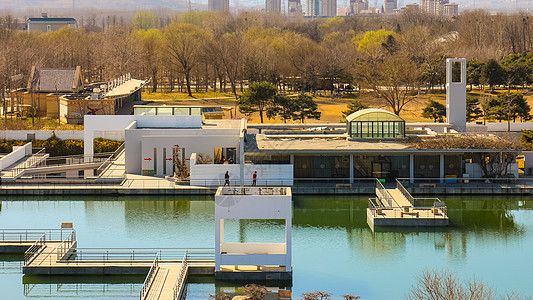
371, 144
259, 204
155, 136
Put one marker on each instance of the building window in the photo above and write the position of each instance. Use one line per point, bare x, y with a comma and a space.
375, 124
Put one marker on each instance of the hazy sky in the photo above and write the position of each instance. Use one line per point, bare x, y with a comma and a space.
176, 4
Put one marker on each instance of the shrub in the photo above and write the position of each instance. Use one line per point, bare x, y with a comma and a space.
102, 145
58, 147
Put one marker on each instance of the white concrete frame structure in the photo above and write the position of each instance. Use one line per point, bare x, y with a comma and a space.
253, 203
456, 94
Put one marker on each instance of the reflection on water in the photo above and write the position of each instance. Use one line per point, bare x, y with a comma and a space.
116, 287
487, 238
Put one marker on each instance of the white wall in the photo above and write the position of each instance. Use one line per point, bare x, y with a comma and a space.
117, 124
252, 206
18, 153
140, 144
456, 95
267, 175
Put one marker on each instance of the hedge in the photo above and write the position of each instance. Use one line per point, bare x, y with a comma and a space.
58, 147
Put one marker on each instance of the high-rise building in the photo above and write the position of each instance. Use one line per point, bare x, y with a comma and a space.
294, 8
218, 5
312, 8
389, 6
439, 7
451, 10
273, 5
356, 6
329, 8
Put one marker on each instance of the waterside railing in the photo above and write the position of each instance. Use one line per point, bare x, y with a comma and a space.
35, 249
134, 256
66, 246
181, 280
149, 278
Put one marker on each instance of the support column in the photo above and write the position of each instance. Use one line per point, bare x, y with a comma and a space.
288, 244
441, 170
351, 168
411, 168
219, 238
241, 152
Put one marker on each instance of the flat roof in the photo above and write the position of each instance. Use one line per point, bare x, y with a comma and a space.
338, 143
259, 143
48, 20
126, 88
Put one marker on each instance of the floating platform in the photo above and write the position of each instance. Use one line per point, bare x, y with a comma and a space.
396, 207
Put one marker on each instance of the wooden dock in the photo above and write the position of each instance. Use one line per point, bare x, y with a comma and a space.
396, 207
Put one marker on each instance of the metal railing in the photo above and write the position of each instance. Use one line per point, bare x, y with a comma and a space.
34, 160
66, 245
122, 290
31, 235
421, 204
70, 160
405, 193
34, 249
466, 182
110, 160
182, 277
398, 212
273, 191
149, 278
139, 255
372, 206
384, 195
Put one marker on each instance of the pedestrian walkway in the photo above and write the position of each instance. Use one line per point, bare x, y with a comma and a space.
396, 207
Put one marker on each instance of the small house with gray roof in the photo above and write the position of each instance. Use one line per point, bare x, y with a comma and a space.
67, 80
45, 24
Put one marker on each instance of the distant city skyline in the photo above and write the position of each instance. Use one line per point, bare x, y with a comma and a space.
505, 5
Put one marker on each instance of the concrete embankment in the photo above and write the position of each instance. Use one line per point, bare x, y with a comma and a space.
495, 189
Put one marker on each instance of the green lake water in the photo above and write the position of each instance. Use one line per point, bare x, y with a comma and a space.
489, 239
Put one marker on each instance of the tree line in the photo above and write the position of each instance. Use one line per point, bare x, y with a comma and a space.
201, 51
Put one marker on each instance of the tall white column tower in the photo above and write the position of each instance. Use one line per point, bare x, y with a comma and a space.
456, 92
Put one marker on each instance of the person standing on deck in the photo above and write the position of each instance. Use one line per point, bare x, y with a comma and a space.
226, 177
254, 178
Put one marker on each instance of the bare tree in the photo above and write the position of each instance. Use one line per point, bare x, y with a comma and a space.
394, 79
184, 45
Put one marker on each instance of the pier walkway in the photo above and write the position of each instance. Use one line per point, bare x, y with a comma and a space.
55, 252
20, 240
397, 207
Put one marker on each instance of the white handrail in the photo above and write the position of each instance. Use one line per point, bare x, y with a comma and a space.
150, 278
180, 281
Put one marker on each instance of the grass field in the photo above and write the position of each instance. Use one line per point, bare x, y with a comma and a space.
331, 108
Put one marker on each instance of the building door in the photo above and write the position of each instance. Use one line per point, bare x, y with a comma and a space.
381, 170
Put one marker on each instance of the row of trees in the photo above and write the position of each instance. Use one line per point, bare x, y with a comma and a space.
504, 107
208, 51
262, 97
513, 70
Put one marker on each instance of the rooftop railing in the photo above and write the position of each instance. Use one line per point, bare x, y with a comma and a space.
272, 191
